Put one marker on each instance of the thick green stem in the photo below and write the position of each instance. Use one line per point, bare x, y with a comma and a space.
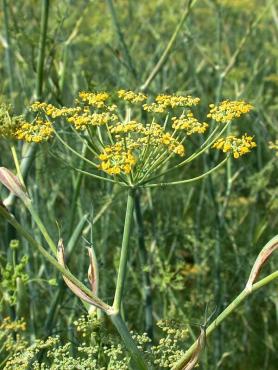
136, 355
227, 312
144, 262
124, 251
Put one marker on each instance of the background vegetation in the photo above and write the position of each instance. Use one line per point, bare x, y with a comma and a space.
200, 240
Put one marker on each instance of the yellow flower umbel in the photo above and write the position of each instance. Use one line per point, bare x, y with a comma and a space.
237, 146
135, 147
228, 110
35, 132
131, 96
189, 124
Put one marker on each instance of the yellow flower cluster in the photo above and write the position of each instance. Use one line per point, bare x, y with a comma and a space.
238, 146
164, 102
129, 146
116, 159
172, 144
155, 135
51, 111
35, 132
97, 100
131, 96
228, 110
189, 123
80, 117
131, 126
8, 122
154, 108
122, 156
173, 101
8, 325
81, 121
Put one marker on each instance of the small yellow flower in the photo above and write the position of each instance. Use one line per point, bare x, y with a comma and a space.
95, 99
189, 124
154, 108
238, 146
174, 101
36, 132
228, 110
116, 159
131, 126
81, 120
131, 96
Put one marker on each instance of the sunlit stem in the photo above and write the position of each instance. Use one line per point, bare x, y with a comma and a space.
42, 46
124, 251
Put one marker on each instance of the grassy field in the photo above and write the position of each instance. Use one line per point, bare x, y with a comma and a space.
112, 115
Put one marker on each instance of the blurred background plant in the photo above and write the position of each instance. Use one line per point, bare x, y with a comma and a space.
201, 240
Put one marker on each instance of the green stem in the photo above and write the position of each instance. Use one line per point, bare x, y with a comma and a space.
8, 49
31, 149
121, 38
136, 355
168, 48
50, 320
42, 44
143, 253
114, 315
41, 227
162, 184
227, 312
124, 251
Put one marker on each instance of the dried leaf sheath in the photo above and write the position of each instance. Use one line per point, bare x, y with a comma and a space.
262, 258
195, 356
92, 272
74, 288
12, 183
